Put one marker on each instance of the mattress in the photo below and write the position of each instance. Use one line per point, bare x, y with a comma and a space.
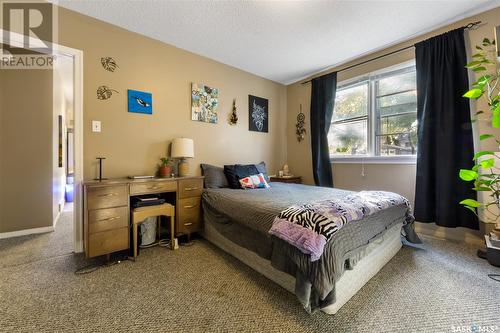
374, 257
245, 217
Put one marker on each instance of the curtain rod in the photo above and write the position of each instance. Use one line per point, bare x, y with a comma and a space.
471, 25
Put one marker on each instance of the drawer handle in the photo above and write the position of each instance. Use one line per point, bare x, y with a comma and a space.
190, 206
190, 189
107, 195
110, 219
188, 224
154, 188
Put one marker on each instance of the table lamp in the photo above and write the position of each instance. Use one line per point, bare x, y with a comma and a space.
183, 148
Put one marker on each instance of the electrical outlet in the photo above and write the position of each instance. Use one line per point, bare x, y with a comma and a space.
96, 126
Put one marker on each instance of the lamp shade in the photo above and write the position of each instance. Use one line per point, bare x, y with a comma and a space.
182, 148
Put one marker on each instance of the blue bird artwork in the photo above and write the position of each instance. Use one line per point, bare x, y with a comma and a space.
140, 102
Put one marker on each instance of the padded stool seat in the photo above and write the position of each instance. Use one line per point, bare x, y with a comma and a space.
141, 213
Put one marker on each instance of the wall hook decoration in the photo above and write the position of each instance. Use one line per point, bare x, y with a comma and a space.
109, 64
104, 92
233, 119
301, 131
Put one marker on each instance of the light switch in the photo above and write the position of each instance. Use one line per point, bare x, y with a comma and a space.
96, 126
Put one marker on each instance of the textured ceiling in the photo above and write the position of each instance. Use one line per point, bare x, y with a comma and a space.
283, 41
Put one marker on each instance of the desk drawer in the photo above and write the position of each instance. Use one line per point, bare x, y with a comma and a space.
107, 196
190, 188
189, 213
108, 241
108, 219
153, 187
188, 227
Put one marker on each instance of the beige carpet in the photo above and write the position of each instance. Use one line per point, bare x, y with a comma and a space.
22, 250
202, 289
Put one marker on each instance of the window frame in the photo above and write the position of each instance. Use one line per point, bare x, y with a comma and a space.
371, 78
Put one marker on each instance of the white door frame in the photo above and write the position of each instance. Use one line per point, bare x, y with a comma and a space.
77, 55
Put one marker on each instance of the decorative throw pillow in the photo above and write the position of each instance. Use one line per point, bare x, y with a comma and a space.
243, 171
261, 167
254, 181
231, 177
214, 176
238, 171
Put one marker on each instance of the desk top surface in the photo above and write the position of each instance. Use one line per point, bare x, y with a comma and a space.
124, 181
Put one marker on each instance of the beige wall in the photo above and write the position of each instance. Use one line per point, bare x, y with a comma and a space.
377, 177
394, 177
30, 175
133, 143
26, 149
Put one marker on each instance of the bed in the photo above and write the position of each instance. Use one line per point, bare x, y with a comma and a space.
238, 221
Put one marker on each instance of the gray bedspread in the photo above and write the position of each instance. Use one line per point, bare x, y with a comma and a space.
245, 217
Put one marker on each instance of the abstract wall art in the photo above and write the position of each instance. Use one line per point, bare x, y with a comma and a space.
204, 103
258, 114
140, 102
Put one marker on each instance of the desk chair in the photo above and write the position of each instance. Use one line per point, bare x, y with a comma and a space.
141, 213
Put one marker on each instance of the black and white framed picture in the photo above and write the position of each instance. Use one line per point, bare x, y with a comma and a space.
258, 114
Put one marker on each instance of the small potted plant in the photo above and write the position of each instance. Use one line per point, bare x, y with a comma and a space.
165, 167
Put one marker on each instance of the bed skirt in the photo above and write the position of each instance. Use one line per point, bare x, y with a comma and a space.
375, 256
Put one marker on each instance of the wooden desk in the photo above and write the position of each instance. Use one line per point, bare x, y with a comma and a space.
107, 209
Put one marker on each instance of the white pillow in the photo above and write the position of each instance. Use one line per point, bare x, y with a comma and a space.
254, 181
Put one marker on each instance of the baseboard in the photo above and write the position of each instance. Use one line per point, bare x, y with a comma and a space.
60, 210
462, 235
56, 220
25, 232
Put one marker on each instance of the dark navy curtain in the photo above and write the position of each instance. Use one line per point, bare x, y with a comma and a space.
322, 102
445, 143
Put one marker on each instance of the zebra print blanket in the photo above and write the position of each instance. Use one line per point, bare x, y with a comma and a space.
308, 227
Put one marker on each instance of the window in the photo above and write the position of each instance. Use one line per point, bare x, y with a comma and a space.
376, 116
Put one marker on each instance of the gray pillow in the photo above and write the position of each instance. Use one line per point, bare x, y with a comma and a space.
261, 167
214, 176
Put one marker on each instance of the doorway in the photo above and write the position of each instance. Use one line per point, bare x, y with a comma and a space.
63, 159
68, 139
64, 180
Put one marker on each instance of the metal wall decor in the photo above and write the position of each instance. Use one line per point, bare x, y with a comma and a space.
109, 64
301, 131
233, 119
104, 92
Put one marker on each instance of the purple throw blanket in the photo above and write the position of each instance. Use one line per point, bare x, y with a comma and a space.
309, 226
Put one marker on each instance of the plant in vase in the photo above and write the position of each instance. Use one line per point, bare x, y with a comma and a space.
484, 174
165, 167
